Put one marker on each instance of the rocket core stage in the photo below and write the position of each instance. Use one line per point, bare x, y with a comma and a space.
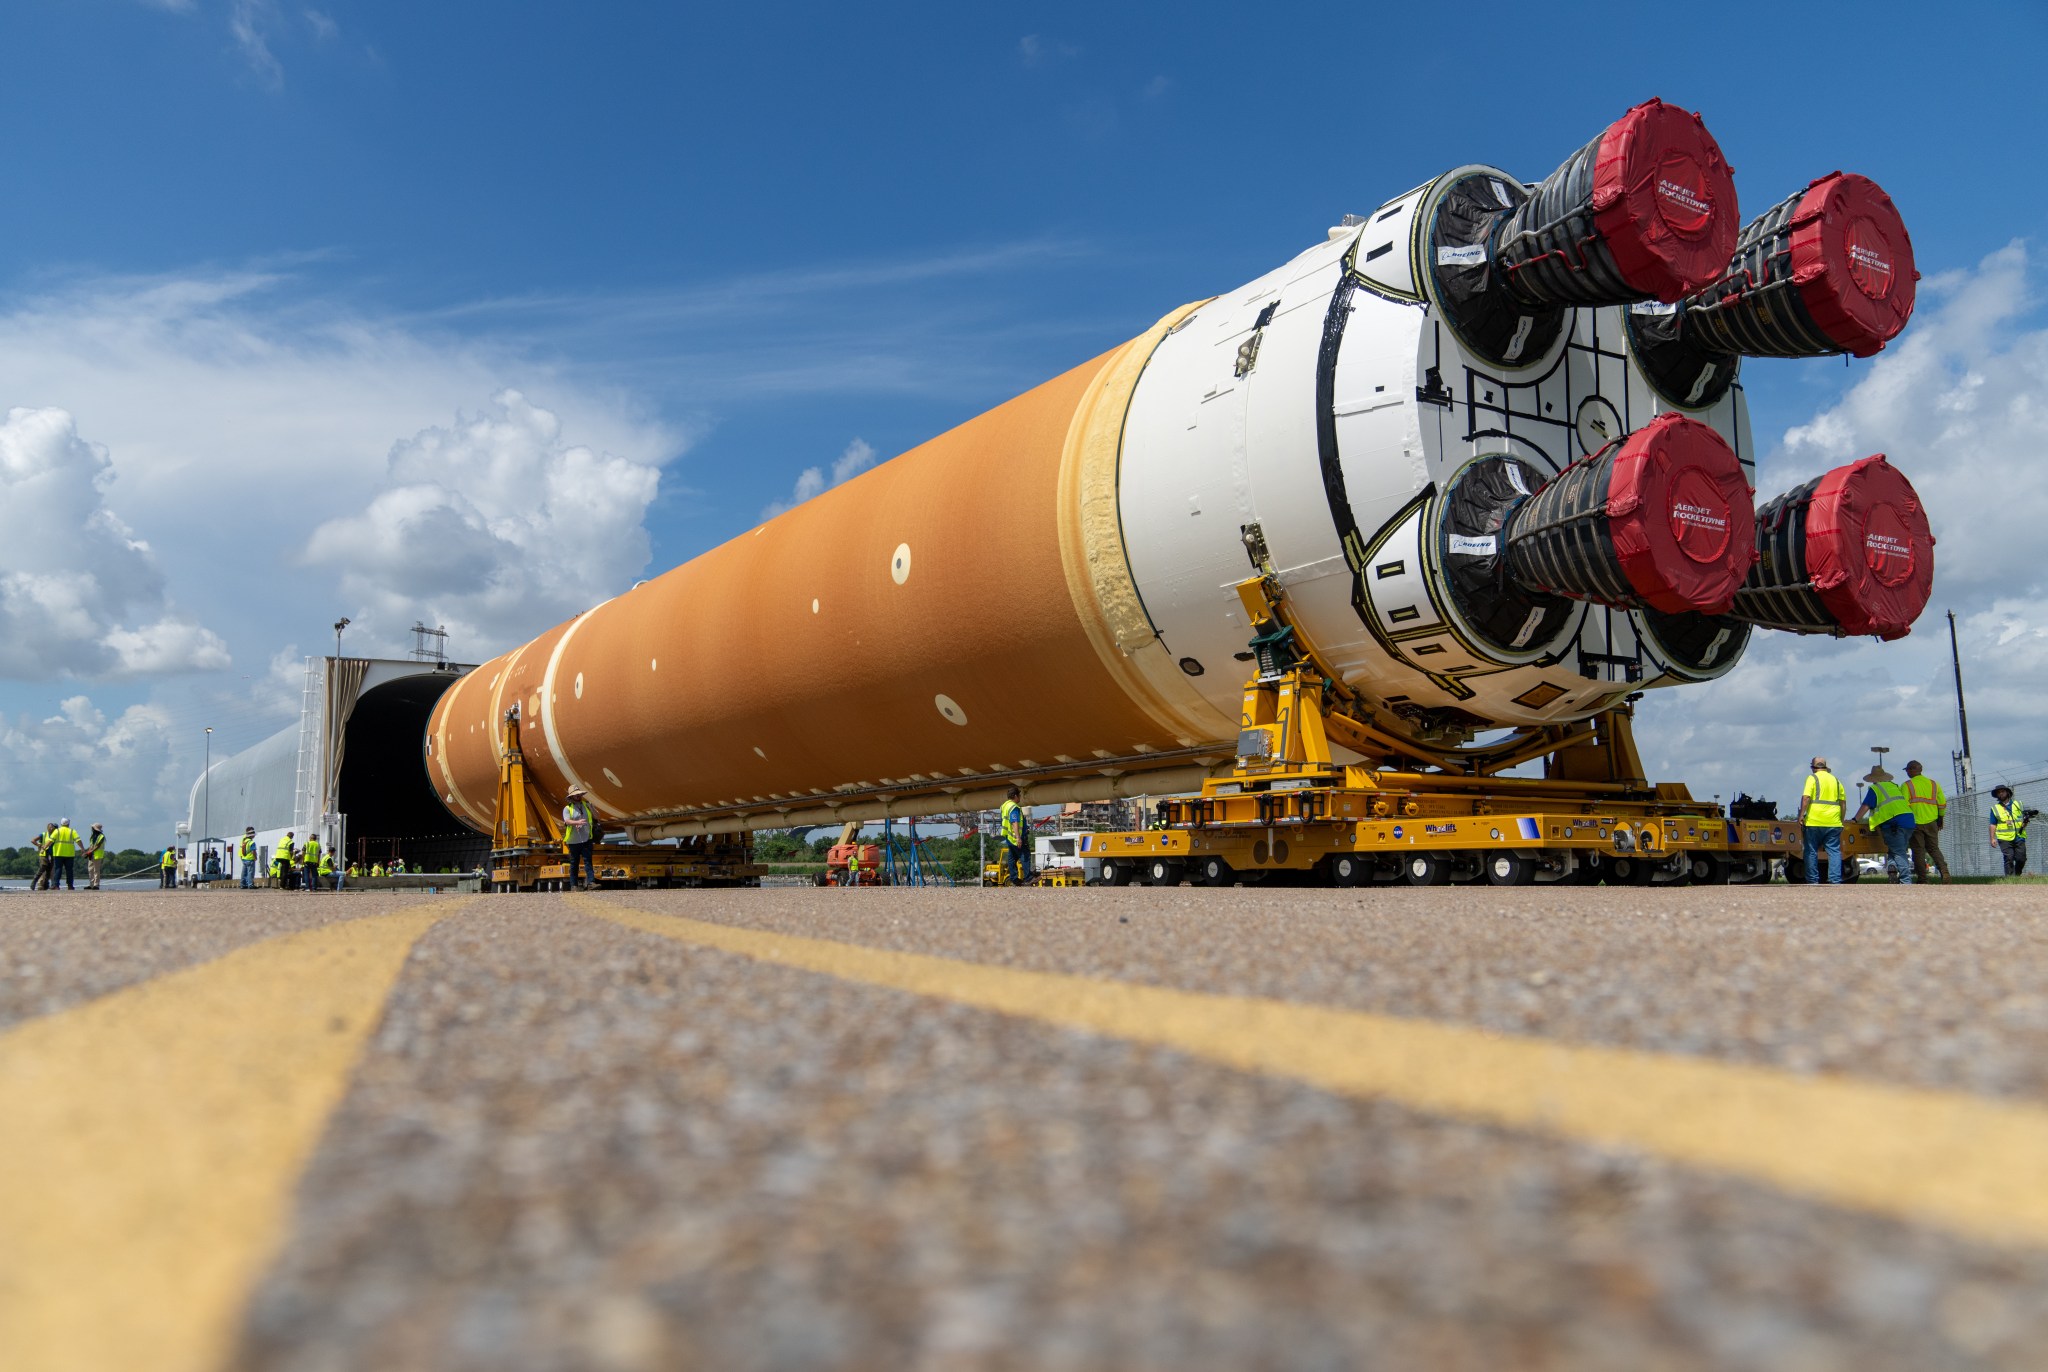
1489, 437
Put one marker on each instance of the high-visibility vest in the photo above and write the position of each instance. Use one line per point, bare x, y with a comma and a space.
2008, 822
311, 852
286, 850
99, 846
326, 865
377, 870
248, 848
576, 818
64, 841
1891, 802
170, 857
1929, 803
1826, 794
1013, 823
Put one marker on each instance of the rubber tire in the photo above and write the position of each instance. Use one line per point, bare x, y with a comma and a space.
1709, 869
1629, 869
1425, 868
1349, 869
1795, 871
1214, 871
1163, 872
1115, 873
1509, 869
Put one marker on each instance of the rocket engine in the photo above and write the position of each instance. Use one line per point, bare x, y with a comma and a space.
1489, 439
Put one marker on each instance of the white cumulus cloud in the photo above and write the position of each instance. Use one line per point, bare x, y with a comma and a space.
858, 457
79, 764
491, 526
81, 594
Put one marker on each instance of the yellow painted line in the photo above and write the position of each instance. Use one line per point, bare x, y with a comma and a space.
150, 1142
1968, 1164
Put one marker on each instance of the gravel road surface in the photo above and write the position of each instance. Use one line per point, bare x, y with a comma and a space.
572, 1144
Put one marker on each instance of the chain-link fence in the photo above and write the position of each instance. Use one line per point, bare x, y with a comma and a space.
1966, 836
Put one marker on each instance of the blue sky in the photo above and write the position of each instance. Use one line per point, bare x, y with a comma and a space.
279, 263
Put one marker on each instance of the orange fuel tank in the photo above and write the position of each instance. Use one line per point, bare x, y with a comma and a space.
962, 612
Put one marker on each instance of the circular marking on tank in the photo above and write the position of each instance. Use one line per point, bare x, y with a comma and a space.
759, 754
899, 565
946, 705
814, 606
534, 702
608, 776
653, 664
579, 685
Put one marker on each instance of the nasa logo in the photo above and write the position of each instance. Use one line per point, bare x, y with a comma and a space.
1777, 835
1397, 831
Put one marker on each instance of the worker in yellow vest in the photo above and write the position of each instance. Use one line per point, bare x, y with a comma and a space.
41, 881
286, 861
1930, 812
63, 855
1891, 819
1012, 824
246, 851
2009, 830
327, 870
1820, 813
376, 869
167, 869
95, 857
309, 863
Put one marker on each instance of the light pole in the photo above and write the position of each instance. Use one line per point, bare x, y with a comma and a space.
206, 805
339, 625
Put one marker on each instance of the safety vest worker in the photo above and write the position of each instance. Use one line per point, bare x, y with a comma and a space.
1824, 795
170, 859
1929, 802
309, 855
1013, 823
326, 865
1891, 801
286, 849
64, 841
853, 866
377, 869
2008, 821
246, 851
99, 846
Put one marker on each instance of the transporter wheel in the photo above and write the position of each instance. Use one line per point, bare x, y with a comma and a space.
1510, 869
1627, 869
1426, 869
1709, 869
1349, 869
1116, 873
1162, 872
1214, 871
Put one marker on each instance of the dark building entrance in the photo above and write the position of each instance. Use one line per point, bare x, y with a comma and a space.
384, 789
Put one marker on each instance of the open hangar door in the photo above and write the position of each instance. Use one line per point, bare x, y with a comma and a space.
383, 790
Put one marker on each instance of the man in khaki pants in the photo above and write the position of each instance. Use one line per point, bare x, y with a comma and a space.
1930, 809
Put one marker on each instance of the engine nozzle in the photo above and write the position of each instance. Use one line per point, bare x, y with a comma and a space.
1646, 211
1849, 552
1660, 519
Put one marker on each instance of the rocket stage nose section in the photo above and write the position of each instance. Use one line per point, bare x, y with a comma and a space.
1847, 553
1660, 519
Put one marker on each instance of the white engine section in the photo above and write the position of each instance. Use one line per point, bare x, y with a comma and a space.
1331, 405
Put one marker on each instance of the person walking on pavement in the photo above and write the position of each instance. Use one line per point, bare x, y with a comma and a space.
41, 880
246, 851
167, 868
2009, 830
1930, 811
95, 857
579, 830
309, 863
1891, 819
1820, 814
1011, 823
63, 848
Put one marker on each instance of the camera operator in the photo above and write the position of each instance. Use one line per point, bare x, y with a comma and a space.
2009, 830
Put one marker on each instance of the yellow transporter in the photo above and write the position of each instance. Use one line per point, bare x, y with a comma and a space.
528, 854
1288, 811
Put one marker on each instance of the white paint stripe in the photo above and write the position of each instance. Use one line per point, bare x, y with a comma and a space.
547, 717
